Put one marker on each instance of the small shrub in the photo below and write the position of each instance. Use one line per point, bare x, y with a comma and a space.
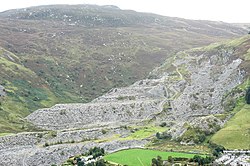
163, 135
62, 153
36, 98
46, 144
62, 112
104, 131
52, 133
39, 135
59, 142
248, 96
163, 124
121, 98
131, 97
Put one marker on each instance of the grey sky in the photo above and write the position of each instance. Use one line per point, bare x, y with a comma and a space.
218, 10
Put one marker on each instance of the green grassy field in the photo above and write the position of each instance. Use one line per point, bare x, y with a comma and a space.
145, 132
236, 133
141, 157
138, 134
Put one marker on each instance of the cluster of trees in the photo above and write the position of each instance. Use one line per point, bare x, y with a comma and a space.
96, 152
201, 160
216, 149
198, 159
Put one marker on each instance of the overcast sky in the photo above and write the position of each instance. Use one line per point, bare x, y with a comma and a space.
218, 10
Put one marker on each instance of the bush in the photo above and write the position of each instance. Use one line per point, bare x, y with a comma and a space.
163, 135
248, 96
46, 144
163, 124
52, 133
104, 131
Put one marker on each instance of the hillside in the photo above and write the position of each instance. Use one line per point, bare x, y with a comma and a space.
193, 92
235, 134
64, 54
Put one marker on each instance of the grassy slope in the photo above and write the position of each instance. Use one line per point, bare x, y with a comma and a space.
24, 90
141, 156
236, 133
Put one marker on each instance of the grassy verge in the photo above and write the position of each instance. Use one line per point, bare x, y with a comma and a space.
138, 133
144, 132
166, 145
4, 134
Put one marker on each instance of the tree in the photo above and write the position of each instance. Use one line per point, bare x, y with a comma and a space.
248, 96
170, 159
154, 162
157, 161
80, 163
158, 135
201, 160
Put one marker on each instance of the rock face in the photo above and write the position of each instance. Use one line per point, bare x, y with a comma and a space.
186, 90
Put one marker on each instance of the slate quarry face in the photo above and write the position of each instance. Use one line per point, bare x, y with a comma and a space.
188, 89
193, 92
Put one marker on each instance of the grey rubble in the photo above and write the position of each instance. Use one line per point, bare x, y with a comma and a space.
191, 93
190, 97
